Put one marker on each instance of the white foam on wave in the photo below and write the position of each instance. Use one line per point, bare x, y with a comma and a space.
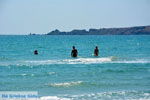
87, 60
132, 61
22, 74
66, 84
51, 73
118, 95
53, 98
74, 61
114, 95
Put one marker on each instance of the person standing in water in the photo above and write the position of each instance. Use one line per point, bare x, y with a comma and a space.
96, 51
74, 52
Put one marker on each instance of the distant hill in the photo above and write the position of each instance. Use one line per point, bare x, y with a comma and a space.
140, 30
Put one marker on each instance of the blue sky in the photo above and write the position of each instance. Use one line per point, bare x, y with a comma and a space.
42, 16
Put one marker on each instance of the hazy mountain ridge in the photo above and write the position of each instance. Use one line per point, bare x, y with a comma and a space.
139, 30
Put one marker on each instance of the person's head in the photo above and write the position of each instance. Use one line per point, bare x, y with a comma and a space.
73, 47
96, 47
35, 52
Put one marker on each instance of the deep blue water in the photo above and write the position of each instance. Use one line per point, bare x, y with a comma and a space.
121, 72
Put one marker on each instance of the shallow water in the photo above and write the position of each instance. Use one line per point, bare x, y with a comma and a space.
121, 72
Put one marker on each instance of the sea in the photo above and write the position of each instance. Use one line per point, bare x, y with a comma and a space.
120, 72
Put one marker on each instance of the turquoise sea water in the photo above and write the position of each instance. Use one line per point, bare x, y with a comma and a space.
121, 72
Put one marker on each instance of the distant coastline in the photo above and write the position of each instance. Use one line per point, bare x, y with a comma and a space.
138, 30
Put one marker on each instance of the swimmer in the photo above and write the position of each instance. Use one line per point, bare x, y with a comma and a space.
96, 51
74, 52
35, 52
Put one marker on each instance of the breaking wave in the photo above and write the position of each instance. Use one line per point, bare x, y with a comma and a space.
73, 61
53, 98
116, 95
66, 84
